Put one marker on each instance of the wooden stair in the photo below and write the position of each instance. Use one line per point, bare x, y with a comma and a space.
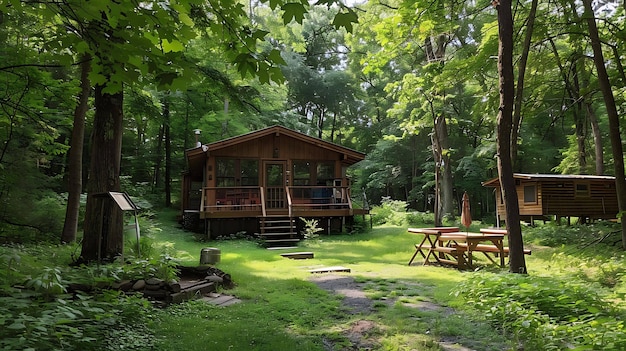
278, 232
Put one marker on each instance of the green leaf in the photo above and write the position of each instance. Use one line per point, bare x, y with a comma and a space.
172, 46
293, 11
276, 58
345, 20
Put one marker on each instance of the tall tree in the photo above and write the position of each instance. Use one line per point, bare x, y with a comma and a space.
517, 263
612, 114
75, 157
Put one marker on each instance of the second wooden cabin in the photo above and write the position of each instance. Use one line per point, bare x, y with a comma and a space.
261, 182
541, 195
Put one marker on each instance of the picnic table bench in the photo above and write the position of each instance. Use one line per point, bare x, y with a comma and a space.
450, 246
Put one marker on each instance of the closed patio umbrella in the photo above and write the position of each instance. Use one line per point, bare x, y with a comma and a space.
466, 215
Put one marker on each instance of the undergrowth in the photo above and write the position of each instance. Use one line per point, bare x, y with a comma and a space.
546, 313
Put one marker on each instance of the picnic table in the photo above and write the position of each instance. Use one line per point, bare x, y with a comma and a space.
451, 246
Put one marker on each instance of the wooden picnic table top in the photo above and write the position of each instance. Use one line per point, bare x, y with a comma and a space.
433, 230
469, 235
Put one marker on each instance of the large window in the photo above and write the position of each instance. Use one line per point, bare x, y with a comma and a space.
237, 172
249, 170
301, 173
225, 172
325, 173
313, 173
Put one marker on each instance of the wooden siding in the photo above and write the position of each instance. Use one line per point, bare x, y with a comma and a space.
279, 147
561, 199
556, 197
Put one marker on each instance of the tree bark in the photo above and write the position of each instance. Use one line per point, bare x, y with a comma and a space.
75, 158
517, 262
611, 111
519, 97
597, 138
443, 145
103, 228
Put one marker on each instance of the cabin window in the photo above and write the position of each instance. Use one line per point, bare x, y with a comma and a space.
530, 193
249, 170
582, 189
301, 173
325, 173
225, 172
237, 172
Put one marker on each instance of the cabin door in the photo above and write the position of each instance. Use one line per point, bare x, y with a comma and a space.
274, 173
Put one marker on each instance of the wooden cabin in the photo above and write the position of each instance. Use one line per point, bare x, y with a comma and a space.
541, 196
263, 181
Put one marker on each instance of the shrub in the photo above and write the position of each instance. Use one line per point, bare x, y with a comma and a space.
390, 211
311, 228
420, 218
544, 313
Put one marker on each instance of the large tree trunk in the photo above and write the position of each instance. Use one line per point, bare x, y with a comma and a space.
611, 111
519, 97
103, 237
517, 262
75, 158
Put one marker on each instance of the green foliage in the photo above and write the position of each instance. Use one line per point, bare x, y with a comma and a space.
79, 323
49, 283
545, 313
311, 228
390, 211
420, 218
164, 267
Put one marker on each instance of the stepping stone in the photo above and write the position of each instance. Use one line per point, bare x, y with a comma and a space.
221, 300
332, 269
298, 255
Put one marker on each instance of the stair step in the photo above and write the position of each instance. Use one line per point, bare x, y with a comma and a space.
277, 234
276, 228
281, 240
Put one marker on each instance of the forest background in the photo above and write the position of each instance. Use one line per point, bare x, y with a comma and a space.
413, 84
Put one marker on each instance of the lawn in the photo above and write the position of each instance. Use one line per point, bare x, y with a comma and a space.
283, 310
572, 298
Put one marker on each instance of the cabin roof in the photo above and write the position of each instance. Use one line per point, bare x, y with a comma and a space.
495, 182
350, 156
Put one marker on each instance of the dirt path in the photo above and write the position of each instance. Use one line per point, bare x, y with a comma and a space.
355, 301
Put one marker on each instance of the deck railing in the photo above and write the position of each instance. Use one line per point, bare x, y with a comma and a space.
318, 198
233, 198
252, 200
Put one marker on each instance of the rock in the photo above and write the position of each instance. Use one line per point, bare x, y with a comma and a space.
139, 285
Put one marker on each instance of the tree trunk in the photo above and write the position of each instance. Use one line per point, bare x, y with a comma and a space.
168, 152
447, 186
159, 156
611, 111
75, 158
517, 262
597, 138
519, 97
103, 236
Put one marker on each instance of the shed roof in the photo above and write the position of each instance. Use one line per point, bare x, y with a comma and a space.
495, 182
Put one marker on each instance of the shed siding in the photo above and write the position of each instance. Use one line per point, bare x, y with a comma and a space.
557, 197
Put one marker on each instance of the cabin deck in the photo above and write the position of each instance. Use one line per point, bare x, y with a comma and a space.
290, 201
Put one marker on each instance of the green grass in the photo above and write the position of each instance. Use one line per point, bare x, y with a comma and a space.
414, 308
283, 310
